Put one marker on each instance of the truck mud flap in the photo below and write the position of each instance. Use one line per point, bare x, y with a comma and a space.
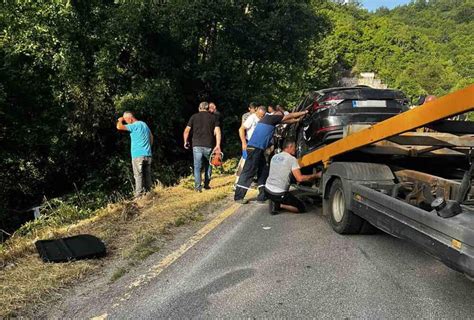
393, 216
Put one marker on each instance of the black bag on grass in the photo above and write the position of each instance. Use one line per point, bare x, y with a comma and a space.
79, 247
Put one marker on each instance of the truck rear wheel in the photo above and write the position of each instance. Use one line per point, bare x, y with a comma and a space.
342, 220
367, 228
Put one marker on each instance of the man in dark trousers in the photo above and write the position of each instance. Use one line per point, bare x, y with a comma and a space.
142, 139
282, 166
256, 163
204, 126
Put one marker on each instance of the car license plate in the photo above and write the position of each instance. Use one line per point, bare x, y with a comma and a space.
369, 103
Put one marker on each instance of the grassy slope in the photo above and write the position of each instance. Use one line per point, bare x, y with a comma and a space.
129, 230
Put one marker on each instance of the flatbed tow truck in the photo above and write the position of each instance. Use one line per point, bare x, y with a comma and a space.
413, 185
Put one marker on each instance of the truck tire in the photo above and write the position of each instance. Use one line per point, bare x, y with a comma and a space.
342, 220
469, 277
367, 228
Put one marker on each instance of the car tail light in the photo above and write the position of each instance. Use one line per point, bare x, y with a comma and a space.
326, 103
327, 129
332, 101
316, 106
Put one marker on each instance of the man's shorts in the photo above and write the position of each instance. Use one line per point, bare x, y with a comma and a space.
286, 198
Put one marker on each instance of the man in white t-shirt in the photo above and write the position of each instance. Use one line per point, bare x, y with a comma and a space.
245, 133
282, 166
248, 126
252, 110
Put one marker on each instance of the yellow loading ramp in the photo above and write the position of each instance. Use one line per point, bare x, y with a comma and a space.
394, 132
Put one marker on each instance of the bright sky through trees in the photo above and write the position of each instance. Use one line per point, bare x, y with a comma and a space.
374, 4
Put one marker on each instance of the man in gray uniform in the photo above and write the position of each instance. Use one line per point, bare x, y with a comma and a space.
277, 186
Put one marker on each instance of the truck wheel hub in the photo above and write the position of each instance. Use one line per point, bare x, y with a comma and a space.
338, 205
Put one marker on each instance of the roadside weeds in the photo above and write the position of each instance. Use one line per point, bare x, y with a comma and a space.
132, 232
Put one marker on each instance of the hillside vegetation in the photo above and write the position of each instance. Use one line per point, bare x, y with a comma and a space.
132, 232
420, 48
69, 68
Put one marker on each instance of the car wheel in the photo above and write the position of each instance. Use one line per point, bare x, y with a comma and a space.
342, 220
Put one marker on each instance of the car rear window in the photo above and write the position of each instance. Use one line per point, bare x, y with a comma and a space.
365, 94
366, 98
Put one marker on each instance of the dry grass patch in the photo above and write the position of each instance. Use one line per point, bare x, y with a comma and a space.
129, 229
118, 273
35, 282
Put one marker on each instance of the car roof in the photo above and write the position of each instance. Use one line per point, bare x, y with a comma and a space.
362, 87
391, 92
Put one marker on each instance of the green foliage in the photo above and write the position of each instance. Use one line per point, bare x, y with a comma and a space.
230, 166
70, 68
55, 213
118, 273
144, 246
421, 48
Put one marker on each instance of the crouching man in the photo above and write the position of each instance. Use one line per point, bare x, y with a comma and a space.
277, 186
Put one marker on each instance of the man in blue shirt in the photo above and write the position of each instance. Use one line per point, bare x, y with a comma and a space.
256, 163
142, 140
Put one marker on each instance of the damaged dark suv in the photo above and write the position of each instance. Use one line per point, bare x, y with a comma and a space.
330, 110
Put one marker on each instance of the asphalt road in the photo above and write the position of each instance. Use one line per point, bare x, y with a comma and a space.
294, 266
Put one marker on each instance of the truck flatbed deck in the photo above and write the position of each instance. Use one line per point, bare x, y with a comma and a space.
412, 185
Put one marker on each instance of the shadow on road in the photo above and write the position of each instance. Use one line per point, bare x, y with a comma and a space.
196, 302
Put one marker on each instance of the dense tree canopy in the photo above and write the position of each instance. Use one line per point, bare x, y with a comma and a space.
425, 47
69, 68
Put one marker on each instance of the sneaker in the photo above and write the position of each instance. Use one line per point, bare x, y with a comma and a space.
207, 187
242, 201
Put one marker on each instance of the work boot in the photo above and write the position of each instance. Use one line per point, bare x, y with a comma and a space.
273, 208
262, 198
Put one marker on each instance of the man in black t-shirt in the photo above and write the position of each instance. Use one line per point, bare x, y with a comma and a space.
204, 126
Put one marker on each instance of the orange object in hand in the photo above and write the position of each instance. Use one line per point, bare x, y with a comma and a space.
216, 159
